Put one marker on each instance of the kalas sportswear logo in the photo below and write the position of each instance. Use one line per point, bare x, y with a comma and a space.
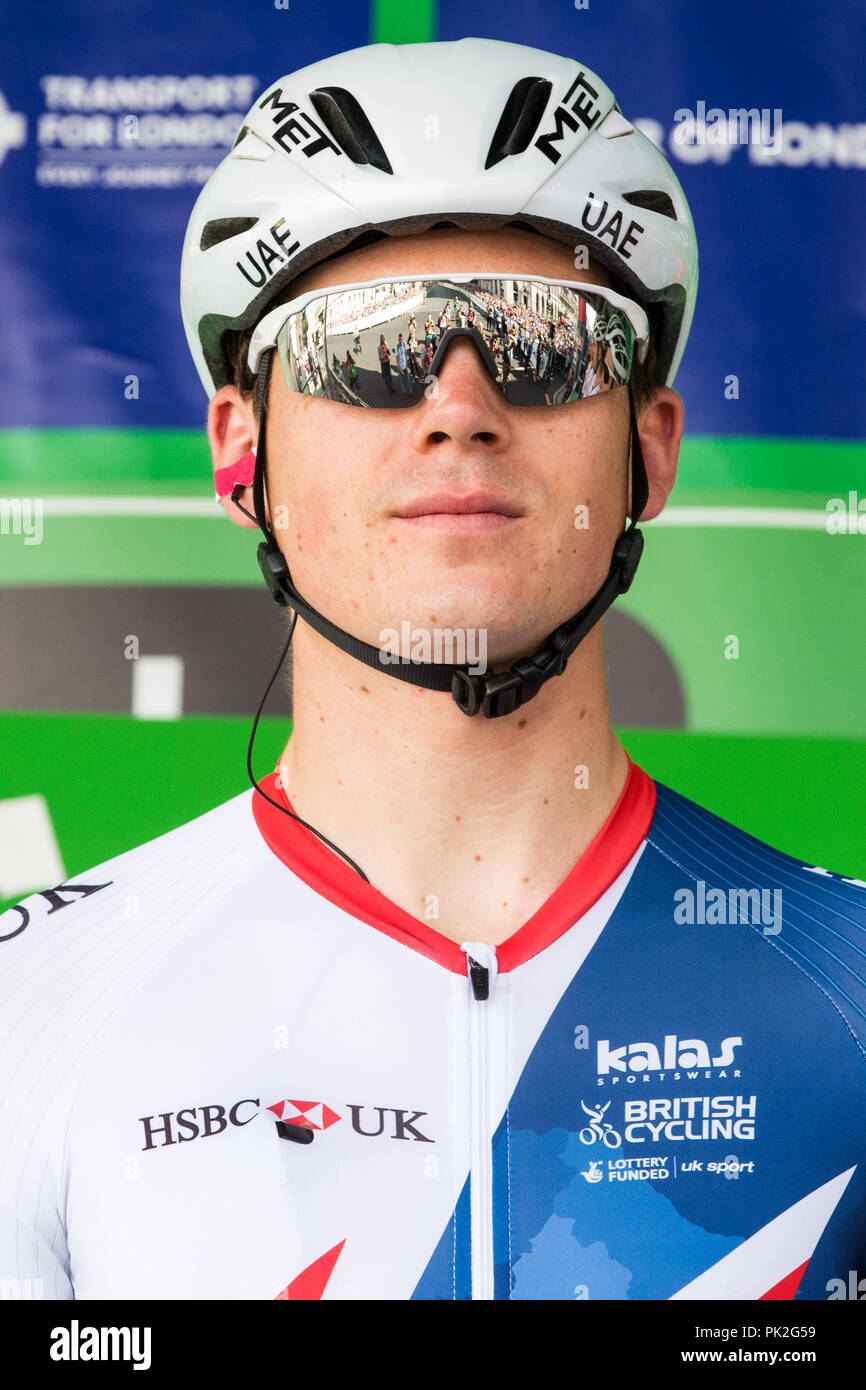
293, 1117
674, 1053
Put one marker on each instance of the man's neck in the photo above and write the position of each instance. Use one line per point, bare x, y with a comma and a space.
467, 824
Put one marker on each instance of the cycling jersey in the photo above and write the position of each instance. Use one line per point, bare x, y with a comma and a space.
230, 1068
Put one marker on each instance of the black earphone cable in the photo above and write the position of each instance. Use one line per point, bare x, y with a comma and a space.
264, 378
251, 774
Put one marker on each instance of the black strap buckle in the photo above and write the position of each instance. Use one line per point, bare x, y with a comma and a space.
497, 695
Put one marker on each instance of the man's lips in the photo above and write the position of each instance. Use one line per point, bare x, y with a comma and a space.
456, 513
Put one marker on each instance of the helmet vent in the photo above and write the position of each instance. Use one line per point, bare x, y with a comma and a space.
520, 118
654, 200
350, 126
221, 228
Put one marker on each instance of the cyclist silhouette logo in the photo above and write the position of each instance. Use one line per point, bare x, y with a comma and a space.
593, 1173
598, 1128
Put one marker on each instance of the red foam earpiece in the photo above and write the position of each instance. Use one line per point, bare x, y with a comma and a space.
228, 478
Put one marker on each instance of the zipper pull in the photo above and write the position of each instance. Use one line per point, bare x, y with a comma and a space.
482, 967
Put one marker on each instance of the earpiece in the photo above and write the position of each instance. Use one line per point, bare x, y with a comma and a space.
234, 475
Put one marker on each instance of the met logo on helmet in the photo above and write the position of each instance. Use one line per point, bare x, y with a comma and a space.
291, 132
569, 114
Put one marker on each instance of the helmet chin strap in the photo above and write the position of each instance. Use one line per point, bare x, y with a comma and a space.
494, 695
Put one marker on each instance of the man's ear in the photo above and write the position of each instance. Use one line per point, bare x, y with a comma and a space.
660, 426
232, 431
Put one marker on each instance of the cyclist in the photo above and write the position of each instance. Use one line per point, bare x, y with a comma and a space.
340, 1036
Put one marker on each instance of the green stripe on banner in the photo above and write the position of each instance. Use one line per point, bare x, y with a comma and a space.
46, 461
133, 550
178, 461
823, 467
112, 782
395, 21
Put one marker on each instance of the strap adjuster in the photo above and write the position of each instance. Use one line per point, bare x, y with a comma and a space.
272, 564
626, 555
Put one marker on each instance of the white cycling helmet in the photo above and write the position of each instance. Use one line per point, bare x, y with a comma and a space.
396, 139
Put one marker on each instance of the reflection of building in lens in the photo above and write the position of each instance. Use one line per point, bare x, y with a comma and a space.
352, 307
301, 344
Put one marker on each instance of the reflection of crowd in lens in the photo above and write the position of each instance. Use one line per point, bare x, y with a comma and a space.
571, 360
547, 350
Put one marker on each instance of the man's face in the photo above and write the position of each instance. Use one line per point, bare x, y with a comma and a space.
345, 477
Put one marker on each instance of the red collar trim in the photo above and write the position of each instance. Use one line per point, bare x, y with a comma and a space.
598, 867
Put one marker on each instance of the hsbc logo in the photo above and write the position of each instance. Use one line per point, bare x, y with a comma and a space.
298, 1120
305, 1114
182, 1126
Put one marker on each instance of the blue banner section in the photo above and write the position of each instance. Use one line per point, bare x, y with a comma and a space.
111, 118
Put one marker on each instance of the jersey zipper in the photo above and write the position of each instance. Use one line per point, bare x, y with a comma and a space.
481, 967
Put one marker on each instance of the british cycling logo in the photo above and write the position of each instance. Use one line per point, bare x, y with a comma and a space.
674, 1119
202, 1122
676, 1059
599, 1130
